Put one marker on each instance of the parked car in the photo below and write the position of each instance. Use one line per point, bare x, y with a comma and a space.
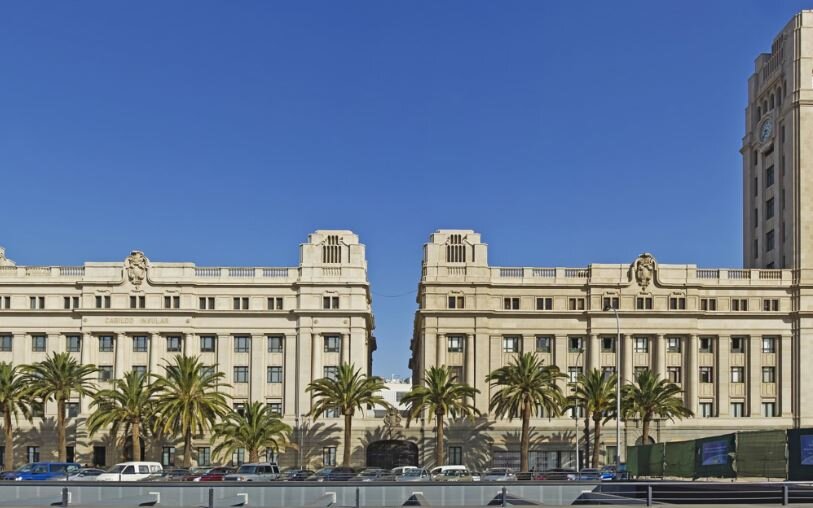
261, 472
589, 474
297, 475
439, 471
130, 472
215, 474
499, 474
414, 474
398, 471
40, 471
168, 475
455, 475
333, 474
86, 474
372, 474
557, 473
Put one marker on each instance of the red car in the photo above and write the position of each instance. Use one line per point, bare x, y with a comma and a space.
215, 474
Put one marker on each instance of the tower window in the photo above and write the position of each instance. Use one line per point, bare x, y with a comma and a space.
332, 250
769, 177
455, 249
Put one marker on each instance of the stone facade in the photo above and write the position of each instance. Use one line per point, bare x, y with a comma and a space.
271, 330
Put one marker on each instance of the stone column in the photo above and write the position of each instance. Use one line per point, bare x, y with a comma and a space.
784, 381
185, 338
626, 359
153, 358
754, 376
469, 370
290, 376
84, 359
121, 342
593, 352
723, 374
692, 373
659, 350
440, 350
257, 370
56, 343
345, 348
560, 359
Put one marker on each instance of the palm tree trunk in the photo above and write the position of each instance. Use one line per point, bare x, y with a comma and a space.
587, 440
8, 458
60, 429
187, 448
439, 436
348, 422
254, 455
645, 431
596, 440
136, 431
525, 441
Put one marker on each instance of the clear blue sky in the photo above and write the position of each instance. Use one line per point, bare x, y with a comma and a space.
224, 132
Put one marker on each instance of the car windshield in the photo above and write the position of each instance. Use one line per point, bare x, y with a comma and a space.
413, 472
370, 472
25, 468
497, 471
247, 469
117, 468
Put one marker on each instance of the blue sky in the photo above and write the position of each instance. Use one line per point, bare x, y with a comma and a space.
224, 132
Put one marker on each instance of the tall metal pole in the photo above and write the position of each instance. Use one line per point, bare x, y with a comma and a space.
617, 393
576, 419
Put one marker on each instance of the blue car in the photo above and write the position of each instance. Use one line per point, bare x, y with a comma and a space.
42, 471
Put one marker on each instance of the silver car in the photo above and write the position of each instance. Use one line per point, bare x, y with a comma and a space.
414, 475
254, 473
499, 474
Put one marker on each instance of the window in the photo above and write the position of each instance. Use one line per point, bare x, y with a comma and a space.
206, 303
106, 344
706, 344
575, 344
769, 210
172, 302
204, 456
511, 303
105, 372
207, 371
708, 304
457, 302
677, 303
102, 301
168, 456
769, 240
74, 343
770, 305
274, 303
610, 302
275, 408
329, 456
510, 344
5, 302
238, 457
739, 304
240, 303
768, 345
70, 453
140, 344
737, 409
173, 344
769, 409
768, 374
37, 302
608, 345
756, 248
72, 409
607, 371
331, 372
207, 344
332, 412
737, 374
543, 344
6, 342
573, 374
39, 343
673, 345
138, 301
769, 177
456, 373
454, 344
71, 302
674, 374
140, 369
275, 344
242, 344
738, 344
241, 374
575, 303
239, 408
455, 456
333, 343
706, 375
706, 409
330, 302
99, 456
32, 453
37, 409
275, 374
643, 303
544, 303
641, 345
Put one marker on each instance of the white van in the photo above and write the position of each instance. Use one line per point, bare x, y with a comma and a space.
438, 472
130, 472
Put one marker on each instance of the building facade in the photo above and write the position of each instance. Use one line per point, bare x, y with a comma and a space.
270, 330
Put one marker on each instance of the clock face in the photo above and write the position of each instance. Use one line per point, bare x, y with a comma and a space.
766, 130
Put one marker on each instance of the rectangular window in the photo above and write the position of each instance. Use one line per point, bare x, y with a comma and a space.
99, 456
72, 409
333, 343
706, 344
708, 304
706, 409
242, 344
37, 409
241, 374
240, 302
768, 374
206, 303
769, 176
575, 344
140, 344
739, 304
738, 344
275, 343
173, 344
768, 345
769, 409
32, 454
207, 371
274, 303
641, 345
207, 344
457, 302
608, 344
238, 457
37, 302
275, 374
510, 344
73, 343
737, 374
106, 344
5, 302
677, 303
607, 371
275, 409
329, 456
455, 456
168, 456
573, 374
543, 344
6, 342
737, 409
105, 372
172, 302
70, 453
643, 303
769, 240
140, 369
575, 303
511, 303
610, 302
769, 209
102, 301
39, 343
674, 374
204, 456
673, 345
706, 375
454, 344
756, 248
330, 302
544, 303
331, 372
71, 302
332, 412
138, 301
770, 305
456, 373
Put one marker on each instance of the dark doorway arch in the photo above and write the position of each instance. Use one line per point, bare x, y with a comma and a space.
391, 453
128, 448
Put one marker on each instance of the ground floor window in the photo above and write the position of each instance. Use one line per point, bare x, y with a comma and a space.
32, 454
168, 456
541, 460
454, 456
329, 455
611, 451
99, 456
204, 456
238, 458
70, 454
3, 456
271, 455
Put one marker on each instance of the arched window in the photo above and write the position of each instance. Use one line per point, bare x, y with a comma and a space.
772, 101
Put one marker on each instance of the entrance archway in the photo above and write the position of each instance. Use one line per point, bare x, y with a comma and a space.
391, 453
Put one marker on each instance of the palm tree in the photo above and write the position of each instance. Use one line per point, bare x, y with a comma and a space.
253, 429
129, 404
188, 400
348, 391
647, 397
441, 396
595, 392
13, 401
524, 386
57, 378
